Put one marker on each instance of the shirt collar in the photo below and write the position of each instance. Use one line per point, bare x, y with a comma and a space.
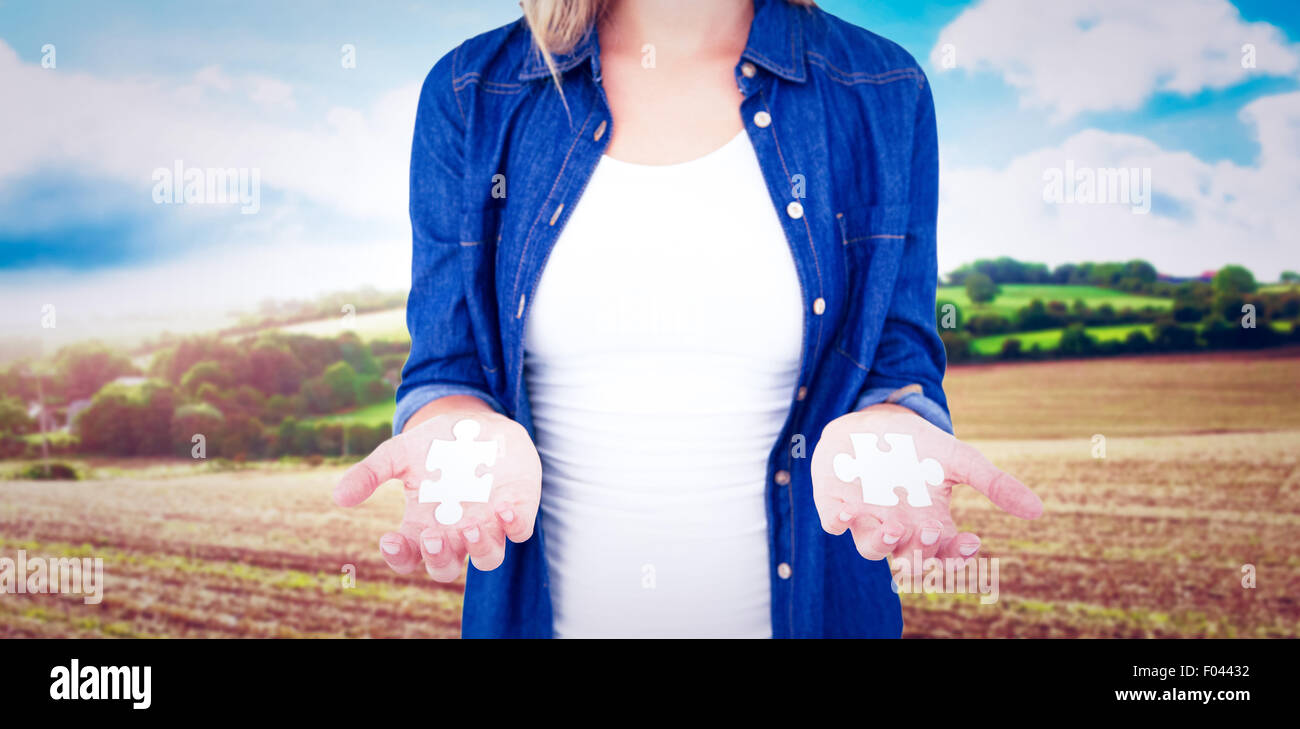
776, 39
535, 67
775, 43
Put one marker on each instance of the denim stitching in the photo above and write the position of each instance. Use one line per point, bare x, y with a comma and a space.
874, 237
455, 91
527, 240
820, 289
475, 74
880, 80
768, 61
789, 492
491, 87
839, 348
825, 63
785, 169
537, 277
853, 78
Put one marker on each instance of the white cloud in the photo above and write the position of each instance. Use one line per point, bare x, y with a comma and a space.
272, 93
1221, 212
1098, 55
214, 77
354, 160
197, 292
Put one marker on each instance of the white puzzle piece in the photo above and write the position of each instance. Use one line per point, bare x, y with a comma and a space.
458, 460
882, 471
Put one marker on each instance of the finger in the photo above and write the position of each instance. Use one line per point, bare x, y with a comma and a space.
401, 554
440, 558
361, 480
516, 528
487, 549
963, 546
840, 516
1001, 488
926, 538
877, 541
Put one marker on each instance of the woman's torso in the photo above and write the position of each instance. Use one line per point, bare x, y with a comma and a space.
660, 358
831, 111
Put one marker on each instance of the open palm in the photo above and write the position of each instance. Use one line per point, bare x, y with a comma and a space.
904, 529
483, 529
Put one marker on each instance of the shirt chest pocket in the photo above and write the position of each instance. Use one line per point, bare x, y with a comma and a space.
872, 238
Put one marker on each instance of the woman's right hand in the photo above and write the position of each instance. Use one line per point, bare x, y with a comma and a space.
481, 532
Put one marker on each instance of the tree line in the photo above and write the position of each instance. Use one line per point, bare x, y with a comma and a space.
1227, 312
247, 398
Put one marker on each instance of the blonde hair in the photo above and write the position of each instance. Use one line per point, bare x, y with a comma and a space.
558, 25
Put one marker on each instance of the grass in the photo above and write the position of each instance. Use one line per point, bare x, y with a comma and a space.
1016, 296
376, 414
1049, 338
57, 438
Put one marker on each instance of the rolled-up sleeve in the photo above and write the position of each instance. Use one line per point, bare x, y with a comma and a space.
418, 397
443, 359
911, 397
910, 356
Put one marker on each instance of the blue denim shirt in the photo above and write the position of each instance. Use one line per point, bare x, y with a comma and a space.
842, 121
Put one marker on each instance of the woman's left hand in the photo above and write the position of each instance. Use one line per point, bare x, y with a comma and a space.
903, 529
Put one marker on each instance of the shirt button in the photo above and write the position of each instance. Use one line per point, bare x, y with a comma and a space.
819, 306
747, 69
794, 209
762, 119
783, 571
600, 132
782, 478
803, 392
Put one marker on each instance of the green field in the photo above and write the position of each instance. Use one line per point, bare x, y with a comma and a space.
387, 325
1016, 296
57, 438
376, 414
1279, 288
1047, 339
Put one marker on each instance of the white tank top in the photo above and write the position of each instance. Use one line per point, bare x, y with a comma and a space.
661, 357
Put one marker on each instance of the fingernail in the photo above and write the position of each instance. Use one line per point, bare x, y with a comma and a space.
846, 516
968, 549
929, 536
433, 545
471, 535
390, 546
507, 515
890, 538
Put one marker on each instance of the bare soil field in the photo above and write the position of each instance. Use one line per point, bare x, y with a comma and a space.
1200, 479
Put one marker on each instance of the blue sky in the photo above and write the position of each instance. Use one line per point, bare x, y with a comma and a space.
1021, 88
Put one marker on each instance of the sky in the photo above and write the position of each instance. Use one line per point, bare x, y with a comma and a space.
1198, 99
